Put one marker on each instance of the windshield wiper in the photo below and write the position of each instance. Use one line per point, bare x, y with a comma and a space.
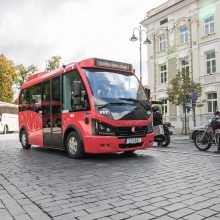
145, 105
111, 103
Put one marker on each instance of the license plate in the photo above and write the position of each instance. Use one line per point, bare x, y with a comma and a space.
158, 130
217, 131
133, 140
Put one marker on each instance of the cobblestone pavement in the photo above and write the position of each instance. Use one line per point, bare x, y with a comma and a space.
177, 182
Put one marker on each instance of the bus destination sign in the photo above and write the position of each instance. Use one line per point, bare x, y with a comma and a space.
113, 64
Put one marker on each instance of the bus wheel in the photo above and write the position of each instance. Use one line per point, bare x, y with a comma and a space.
5, 131
74, 146
24, 140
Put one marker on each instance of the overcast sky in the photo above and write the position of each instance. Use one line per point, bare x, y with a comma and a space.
32, 31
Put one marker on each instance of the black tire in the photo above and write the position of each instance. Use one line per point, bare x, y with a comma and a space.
205, 143
24, 140
5, 131
74, 146
166, 141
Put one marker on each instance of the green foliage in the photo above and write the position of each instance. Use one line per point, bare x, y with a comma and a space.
53, 63
24, 72
180, 86
8, 76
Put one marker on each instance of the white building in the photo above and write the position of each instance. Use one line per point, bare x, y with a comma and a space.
185, 35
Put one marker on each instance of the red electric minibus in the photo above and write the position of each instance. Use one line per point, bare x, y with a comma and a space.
93, 106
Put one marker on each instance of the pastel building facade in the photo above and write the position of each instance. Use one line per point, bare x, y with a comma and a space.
185, 37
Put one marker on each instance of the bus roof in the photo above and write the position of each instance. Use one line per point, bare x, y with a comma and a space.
88, 63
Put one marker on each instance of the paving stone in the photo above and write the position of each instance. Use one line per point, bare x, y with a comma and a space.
174, 207
206, 212
134, 212
119, 216
145, 216
181, 213
4, 214
158, 212
97, 215
194, 217
215, 207
35, 212
13, 207
70, 216
22, 217
159, 183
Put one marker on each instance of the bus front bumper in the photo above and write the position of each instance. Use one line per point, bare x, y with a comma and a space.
107, 144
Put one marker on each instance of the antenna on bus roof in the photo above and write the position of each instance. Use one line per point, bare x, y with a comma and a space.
64, 66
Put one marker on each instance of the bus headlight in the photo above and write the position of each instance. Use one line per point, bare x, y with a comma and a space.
101, 128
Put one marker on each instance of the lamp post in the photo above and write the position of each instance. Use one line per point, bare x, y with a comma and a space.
147, 41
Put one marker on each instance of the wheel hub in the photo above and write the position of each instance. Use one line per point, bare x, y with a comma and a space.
72, 145
23, 139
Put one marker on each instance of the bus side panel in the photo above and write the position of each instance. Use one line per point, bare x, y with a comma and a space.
33, 123
77, 119
36, 134
24, 121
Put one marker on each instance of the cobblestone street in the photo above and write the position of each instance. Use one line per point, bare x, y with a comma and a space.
178, 182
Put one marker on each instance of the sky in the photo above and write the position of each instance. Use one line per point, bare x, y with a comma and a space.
32, 31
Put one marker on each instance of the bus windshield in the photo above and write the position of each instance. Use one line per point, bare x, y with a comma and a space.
114, 87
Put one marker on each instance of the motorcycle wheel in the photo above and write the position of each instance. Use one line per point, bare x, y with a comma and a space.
166, 140
205, 143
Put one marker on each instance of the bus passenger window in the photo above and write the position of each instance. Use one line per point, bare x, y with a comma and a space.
68, 93
25, 100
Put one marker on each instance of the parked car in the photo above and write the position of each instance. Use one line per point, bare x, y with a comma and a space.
195, 130
8, 123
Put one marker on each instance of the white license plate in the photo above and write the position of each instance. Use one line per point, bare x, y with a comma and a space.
158, 130
132, 140
217, 131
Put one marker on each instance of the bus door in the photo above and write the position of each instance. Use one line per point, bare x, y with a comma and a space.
51, 112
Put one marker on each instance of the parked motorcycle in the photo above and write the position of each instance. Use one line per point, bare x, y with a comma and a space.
161, 135
161, 131
205, 138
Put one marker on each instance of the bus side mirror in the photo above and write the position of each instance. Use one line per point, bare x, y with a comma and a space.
77, 93
77, 88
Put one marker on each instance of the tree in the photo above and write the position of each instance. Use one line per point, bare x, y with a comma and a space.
24, 72
180, 86
8, 76
180, 92
53, 63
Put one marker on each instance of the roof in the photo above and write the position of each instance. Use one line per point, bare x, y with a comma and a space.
88, 63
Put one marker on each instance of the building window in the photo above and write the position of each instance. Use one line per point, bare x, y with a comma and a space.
164, 107
209, 25
184, 65
164, 21
210, 62
183, 34
162, 42
212, 102
163, 73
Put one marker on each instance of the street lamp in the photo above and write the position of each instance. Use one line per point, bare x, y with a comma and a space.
147, 41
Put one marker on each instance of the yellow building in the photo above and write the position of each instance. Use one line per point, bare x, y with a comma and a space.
185, 36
